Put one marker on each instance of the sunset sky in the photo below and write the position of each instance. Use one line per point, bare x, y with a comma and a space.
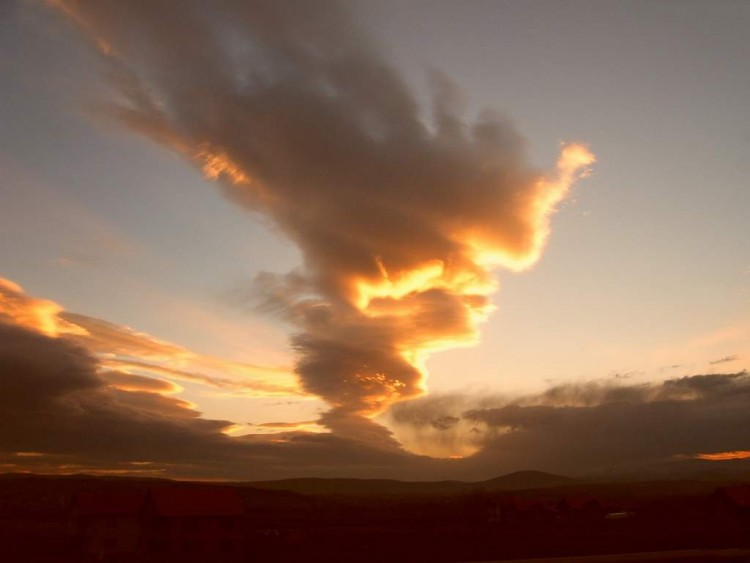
421, 240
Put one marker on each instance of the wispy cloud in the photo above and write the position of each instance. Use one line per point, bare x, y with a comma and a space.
126, 350
725, 360
724, 456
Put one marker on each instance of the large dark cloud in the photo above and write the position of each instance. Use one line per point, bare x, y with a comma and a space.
399, 216
53, 401
592, 427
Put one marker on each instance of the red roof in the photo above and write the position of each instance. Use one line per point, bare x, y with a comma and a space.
108, 503
178, 501
579, 502
522, 504
739, 495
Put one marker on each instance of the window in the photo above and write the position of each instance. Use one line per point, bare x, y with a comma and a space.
161, 525
190, 524
227, 523
157, 546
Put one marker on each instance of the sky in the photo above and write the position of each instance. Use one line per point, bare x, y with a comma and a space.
419, 240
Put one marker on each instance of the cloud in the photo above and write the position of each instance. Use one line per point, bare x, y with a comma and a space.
592, 427
105, 337
53, 401
129, 352
132, 382
434, 424
37, 314
445, 422
304, 426
725, 360
234, 387
400, 220
724, 456
63, 411
287, 424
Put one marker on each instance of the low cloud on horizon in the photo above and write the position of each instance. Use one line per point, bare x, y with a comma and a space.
64, 410
594, 427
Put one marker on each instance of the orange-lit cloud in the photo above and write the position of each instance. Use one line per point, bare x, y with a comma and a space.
279, 427
284, 386
400, 222
130, 382
217, 166
724, 456
36, 314
138, 361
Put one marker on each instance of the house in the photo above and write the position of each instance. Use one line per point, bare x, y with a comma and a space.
731, 504
514, 509
193, 523
163, 523
579, 508
104, 524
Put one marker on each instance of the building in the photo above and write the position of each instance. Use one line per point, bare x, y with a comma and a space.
580, 508
163, 523
731, 505
104, 524
514, 509
193, 523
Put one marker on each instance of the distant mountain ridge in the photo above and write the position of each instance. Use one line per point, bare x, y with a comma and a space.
520, 480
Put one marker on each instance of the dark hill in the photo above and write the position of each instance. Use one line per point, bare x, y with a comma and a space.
521, 480
362, 487
365, 487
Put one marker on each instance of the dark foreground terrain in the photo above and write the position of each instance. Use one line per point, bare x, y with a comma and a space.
44, 518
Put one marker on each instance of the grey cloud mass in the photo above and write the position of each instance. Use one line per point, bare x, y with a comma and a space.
592, 427
400, 215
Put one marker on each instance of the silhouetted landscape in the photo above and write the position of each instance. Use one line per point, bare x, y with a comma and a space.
517, 516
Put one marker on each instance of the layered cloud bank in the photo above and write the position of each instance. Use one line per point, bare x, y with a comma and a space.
64, 409
82, 394
130, 352
400, 216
